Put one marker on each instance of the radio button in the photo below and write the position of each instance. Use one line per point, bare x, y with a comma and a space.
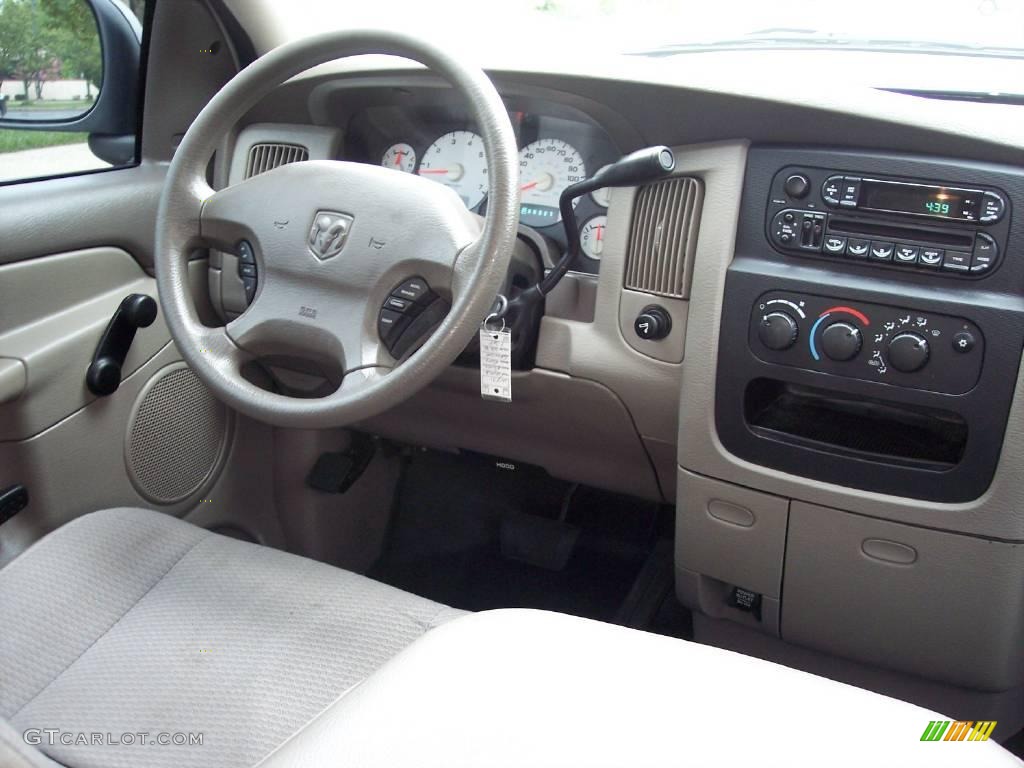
931, 257
985, 252
858, 247
834, 245
850, 192
907, 254
956, 261
831, 190
992, 208
881, 251
981, 264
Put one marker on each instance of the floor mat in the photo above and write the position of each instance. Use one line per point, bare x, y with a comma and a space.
446, 541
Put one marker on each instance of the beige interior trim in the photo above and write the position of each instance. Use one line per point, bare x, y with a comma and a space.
53, 311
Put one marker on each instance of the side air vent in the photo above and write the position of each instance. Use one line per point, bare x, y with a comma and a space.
267, 157
663, 237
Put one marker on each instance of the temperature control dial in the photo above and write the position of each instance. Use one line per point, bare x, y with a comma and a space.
841, 341
908, 352
778, 331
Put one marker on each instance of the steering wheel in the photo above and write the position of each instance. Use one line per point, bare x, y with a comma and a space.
332, 241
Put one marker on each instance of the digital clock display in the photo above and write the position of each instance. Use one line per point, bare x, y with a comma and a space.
920, 199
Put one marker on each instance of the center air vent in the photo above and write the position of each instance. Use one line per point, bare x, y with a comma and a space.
267, 157
663, 237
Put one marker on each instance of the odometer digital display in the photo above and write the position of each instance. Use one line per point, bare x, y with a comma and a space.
920, 200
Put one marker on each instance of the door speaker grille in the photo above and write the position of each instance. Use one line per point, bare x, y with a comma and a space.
663, 237
176, 436
267, 157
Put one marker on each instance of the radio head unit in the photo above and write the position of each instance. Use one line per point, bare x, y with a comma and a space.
947, 229
912, 199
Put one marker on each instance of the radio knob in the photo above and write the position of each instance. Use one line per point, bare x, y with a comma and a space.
908, 352
797, 186
778, 331
841, 341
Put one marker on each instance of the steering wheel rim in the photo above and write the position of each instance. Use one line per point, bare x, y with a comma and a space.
192, 215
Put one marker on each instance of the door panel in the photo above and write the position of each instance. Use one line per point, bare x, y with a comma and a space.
53, 311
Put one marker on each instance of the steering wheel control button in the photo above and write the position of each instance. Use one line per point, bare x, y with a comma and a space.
797, 186
908, 352
415, 290
857, 248
408, 314
841, 341
390, 325
907, 254
398, 304
653, 324
881, 251
245, 253
419, 327
247, 270
778, 331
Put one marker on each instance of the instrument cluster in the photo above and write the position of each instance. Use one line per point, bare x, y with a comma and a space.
441, 144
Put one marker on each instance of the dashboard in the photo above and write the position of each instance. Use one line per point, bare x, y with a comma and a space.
440, 143
835, 409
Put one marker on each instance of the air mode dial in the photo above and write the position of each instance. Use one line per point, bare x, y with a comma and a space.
908, 352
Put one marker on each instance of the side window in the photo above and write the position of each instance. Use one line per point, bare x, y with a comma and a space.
69, 69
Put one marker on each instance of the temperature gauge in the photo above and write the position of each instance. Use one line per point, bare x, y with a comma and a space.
592, 237
401, 157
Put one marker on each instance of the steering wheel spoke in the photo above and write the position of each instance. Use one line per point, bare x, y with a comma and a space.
303, 321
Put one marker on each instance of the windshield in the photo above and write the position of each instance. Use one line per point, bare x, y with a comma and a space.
659, 27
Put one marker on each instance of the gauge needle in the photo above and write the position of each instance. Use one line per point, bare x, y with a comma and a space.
531, 185
424, 171
398, 158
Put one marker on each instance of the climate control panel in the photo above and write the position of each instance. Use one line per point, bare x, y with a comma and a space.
873, 342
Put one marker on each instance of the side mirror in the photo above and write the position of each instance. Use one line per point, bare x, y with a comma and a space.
72, 66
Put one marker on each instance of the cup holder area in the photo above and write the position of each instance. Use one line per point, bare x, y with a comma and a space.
864, 428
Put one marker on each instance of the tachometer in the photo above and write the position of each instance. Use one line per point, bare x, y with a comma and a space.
401, 157
546, 167
592, 237
457, 160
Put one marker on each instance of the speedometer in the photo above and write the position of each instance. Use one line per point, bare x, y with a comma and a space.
546, 167
457, 160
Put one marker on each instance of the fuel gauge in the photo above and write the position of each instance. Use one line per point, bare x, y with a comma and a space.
592, 237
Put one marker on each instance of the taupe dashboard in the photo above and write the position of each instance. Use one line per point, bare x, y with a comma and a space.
888, 547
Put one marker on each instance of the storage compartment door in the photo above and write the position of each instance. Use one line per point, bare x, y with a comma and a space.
940, 605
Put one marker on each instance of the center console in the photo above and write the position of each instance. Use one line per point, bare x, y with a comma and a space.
872, 324
850, 451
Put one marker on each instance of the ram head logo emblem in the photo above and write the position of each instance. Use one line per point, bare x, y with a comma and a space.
328, 234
